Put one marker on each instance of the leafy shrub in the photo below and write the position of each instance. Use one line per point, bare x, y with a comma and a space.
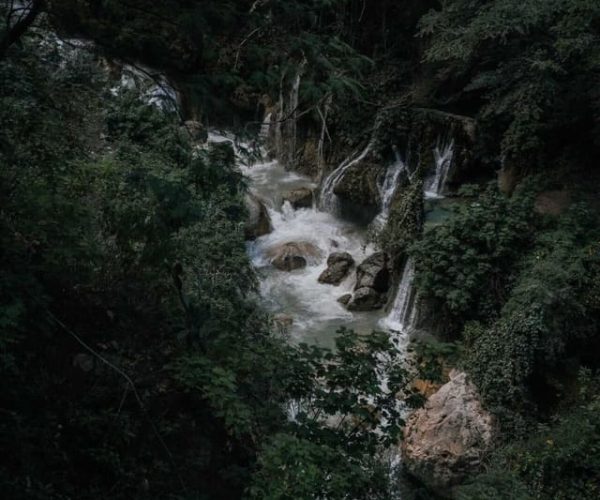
466, 265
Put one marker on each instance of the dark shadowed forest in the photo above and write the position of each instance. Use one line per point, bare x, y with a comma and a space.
300, 249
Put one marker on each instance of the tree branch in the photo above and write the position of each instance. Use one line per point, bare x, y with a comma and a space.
21, 26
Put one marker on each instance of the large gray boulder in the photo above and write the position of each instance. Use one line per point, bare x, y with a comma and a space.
293, 255
448, 438
359, 184
258, 222
338, 267
299, 198
366, 299
374, 273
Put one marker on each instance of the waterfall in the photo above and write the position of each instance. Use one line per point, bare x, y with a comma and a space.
328, 199
387, 189
443, 154
402, 316
285, 133
265, 127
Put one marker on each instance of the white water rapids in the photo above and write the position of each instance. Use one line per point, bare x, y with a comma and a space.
312, 306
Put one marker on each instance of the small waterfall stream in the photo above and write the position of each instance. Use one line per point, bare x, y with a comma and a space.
443, 154
387, 190
328, 200
403, 312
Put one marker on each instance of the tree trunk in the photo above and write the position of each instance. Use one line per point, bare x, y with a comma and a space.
14, 33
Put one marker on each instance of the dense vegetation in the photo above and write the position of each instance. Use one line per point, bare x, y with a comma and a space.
134, 356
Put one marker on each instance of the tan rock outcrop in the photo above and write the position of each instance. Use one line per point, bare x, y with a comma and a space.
447, 439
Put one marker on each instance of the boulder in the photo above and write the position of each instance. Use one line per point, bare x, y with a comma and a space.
359, 184
299, 198
338, 267
366, 299
374, 273
344, 299
258, 222
293, 255
448, 438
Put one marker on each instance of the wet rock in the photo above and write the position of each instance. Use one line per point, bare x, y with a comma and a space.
338, 267
374, 273
359, 184
448, 438
299, 198
366, 299
293, 255
258, 222
344, 299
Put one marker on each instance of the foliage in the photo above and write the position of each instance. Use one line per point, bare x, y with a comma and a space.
561, 460
134, 358
342, 417
405, 221
466, 264
533, 63
547, 316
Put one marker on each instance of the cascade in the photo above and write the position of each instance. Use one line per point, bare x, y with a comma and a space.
287, 115
387, 189
443, 154
265, 127
403, 313
328, 199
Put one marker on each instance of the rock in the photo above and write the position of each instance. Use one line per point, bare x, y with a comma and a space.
344, 299
196, 131
293, 255
366, 299
359, 184
338, 266
299, 198
425, 387
258, 222
552, 202
374, 273
447, 439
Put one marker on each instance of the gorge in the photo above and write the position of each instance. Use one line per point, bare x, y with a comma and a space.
290, 249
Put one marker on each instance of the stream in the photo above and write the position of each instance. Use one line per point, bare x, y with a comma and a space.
310, 309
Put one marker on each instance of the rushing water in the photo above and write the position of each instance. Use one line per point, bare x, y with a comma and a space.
402, 314
312, 307
387, 190
328, 199
443, 154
